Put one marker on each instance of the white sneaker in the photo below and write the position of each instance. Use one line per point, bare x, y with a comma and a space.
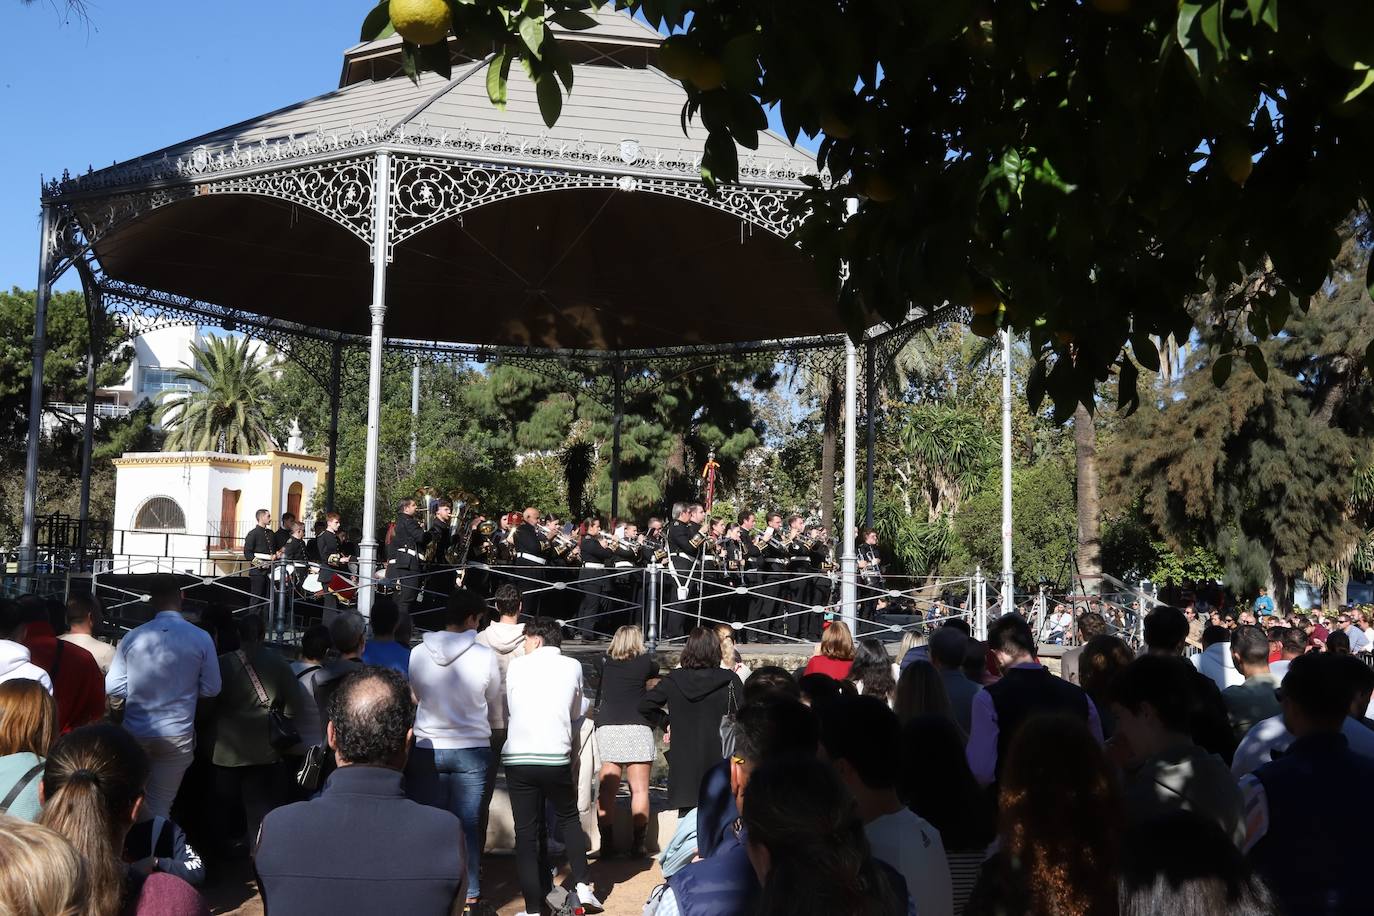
587, 898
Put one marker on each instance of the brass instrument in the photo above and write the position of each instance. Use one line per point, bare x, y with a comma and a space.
460, 529
487, 528
334, 560
563, 544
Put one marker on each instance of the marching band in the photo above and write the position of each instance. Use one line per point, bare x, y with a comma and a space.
779, 580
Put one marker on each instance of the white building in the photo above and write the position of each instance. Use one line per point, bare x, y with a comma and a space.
188, 511
159, 354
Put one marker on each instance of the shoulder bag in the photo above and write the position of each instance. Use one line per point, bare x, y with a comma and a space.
281, 731
727, 721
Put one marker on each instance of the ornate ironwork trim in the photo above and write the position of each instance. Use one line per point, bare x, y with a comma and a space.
427, 190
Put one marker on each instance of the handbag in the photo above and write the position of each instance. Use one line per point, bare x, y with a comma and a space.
281, 731
727, 723
311, 768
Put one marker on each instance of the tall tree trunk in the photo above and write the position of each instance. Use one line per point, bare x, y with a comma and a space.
1282, 590
829, 438
1089, 508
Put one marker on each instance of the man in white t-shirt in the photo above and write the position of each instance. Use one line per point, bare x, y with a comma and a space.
861, 738
83, 616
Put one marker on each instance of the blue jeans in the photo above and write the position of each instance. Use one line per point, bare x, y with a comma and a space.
454, 780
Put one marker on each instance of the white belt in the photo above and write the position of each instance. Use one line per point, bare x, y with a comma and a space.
624, 564
687, 556
710, 561
262, 556
533, 558
775, 560
593, 565
408, 550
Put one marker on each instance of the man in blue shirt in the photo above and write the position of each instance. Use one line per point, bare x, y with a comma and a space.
382, 649
1264, 605
161, 669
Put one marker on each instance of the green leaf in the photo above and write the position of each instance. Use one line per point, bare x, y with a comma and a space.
498, 72
1363, 80
1127, 393
1255, 357
550, 97
1035, 385
409, 61
1221, 370
1279, 307
575, 20
378, 18
1146, 353
720, 159
1265, 11
532, 33
436, 58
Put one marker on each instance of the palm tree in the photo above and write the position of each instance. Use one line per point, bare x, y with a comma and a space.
223, 410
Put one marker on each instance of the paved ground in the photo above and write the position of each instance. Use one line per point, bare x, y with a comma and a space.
622, 884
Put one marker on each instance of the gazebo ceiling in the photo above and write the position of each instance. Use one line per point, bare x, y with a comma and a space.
610, 245
587, 269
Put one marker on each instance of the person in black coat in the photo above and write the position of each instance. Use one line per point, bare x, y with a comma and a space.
692, 700
530, 552
407, 543
362, 846
258, 550
592, 579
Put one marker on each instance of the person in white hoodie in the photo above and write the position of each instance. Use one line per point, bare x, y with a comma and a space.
1215, 658
457, 684
506, 636
14, 655
544, 696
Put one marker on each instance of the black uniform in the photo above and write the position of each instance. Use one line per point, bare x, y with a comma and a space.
685, 541
439, 582
280, 538
768, 605
258, 550
798, 589
407, 542
872, 574
530, 553
592, 581
297, 565
327, 544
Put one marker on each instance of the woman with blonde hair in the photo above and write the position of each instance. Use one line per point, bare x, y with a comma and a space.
835, 655
729, 653
93, 785
40, 872
28, 725
624, 738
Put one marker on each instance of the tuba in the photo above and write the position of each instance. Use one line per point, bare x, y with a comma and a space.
460, 528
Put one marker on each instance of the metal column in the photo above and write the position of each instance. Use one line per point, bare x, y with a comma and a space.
28, 544
93, 348
381, 232
1008, 593
870, 428
849, 561
335, 383
617, 376
414, 410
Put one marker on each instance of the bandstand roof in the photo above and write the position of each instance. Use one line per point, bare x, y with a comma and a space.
595, 234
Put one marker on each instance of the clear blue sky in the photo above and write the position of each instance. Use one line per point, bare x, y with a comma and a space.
140, 75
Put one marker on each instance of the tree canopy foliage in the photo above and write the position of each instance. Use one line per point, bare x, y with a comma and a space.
1078, 172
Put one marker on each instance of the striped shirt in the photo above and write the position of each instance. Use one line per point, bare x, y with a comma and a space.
963, 874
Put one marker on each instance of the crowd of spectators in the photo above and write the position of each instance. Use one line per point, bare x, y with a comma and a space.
958, 776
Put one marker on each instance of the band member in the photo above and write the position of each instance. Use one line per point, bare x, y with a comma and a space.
293, 555
713, 567
258, 551
796, 591
530, 552
733, 552
312, 546
768, 603
591, 578
283, 534
439, 582
686, 538
871, 561
748, 605
821, 556
333, 561
404, 566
